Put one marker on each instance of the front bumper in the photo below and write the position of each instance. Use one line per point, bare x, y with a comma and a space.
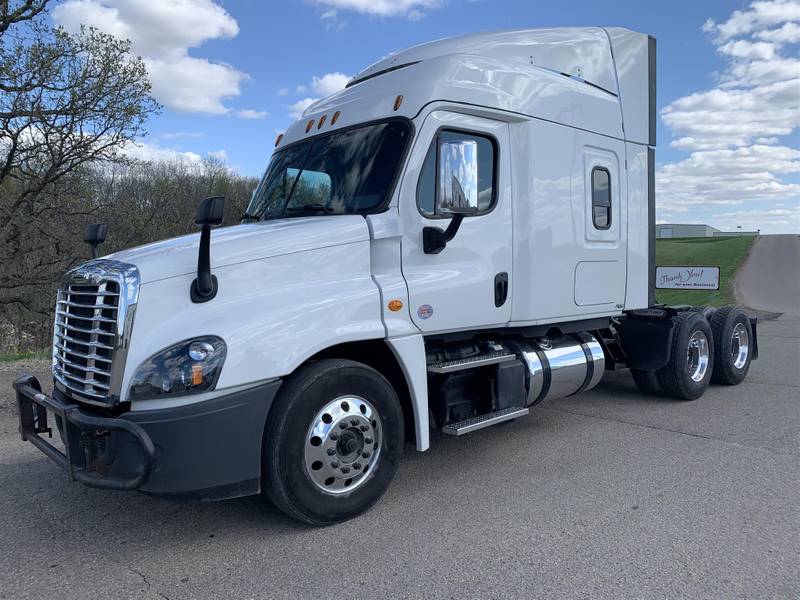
208, 450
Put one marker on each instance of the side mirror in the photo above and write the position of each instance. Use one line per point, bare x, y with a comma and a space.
457, 193
209, 214
210, 211
94, 235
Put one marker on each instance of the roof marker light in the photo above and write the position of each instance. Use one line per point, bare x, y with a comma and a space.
398, 101
335, 117
278, 139
309, 125
321, 121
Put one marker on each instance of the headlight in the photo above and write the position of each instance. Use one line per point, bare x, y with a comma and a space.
188, 367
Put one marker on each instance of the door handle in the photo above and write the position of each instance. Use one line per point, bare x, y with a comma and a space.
500, 289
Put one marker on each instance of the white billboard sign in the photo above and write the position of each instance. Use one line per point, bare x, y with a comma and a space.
687, 278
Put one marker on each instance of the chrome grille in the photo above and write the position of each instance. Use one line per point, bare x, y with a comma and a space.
93, 317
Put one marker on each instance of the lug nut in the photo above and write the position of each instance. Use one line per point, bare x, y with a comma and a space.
363, 428
335, 464
354, 422
334, 436
343, 425
345, 469
357, 466
367, 440
331, 451
365, 454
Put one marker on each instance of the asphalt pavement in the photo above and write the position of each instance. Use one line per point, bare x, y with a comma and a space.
610, 494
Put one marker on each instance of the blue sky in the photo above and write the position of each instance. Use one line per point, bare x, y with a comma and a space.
231, 73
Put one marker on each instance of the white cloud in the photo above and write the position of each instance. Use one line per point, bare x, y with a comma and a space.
298, 108
176, 135
736, 132
284, 91
250, 113
329, 83
727, 116
219, 155
788, 34
153, 153
412, 9
760, 16
300, 89
162, 33
748, 50
727, 177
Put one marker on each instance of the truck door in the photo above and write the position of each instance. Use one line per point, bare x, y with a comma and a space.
600, 274
459, 164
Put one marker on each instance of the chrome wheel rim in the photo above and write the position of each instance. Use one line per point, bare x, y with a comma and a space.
343, 445
740, 346
697, 356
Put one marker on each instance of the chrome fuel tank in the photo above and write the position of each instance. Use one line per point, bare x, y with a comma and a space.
560, 367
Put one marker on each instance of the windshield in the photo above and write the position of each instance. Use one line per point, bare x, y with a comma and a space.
342, 173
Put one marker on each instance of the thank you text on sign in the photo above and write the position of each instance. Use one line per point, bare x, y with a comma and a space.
687, 278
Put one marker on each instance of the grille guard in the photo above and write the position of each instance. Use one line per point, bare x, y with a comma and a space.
33, 406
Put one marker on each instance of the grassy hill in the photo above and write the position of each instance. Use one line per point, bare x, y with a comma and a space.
727, 253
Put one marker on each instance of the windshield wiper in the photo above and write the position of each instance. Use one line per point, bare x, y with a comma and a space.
310, 208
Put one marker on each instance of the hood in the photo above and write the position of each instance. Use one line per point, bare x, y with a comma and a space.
241, 243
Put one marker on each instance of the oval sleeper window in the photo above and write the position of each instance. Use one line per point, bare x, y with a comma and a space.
601, 198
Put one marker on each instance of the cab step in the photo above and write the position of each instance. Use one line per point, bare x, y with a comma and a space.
481, 360
493, 418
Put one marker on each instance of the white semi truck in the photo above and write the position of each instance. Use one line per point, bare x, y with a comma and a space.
465, 231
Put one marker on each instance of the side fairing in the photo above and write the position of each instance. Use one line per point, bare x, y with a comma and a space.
273, 313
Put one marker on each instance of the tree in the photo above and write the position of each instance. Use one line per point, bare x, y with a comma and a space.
68, 102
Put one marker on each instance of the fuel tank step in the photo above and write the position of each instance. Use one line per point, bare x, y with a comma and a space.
469, 425
481, 360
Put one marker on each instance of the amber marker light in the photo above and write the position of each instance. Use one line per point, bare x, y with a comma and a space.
278, 139
321, 121
335, 117
309, 125
395, 305
398, 101
197, 374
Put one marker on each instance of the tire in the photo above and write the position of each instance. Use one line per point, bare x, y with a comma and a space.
648, 382
733, 337
687, 374
706, 311
332, 406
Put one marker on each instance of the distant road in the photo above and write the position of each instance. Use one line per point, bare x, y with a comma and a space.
770, 278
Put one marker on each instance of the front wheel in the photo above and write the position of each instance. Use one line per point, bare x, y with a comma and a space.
333, 441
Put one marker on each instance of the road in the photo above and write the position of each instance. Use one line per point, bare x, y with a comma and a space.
770, 278
610, 494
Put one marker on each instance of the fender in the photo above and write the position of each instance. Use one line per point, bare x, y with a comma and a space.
410, 353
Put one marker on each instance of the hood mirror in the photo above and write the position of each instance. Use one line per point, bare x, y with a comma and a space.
209, 214
94, 235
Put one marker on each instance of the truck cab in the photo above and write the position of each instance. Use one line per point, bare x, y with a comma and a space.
464, 231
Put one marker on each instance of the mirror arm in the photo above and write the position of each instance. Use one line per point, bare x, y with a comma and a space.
210, 213
434, 239
204, 287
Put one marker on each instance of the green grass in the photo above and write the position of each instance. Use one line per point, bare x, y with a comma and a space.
13, 356
727, 253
